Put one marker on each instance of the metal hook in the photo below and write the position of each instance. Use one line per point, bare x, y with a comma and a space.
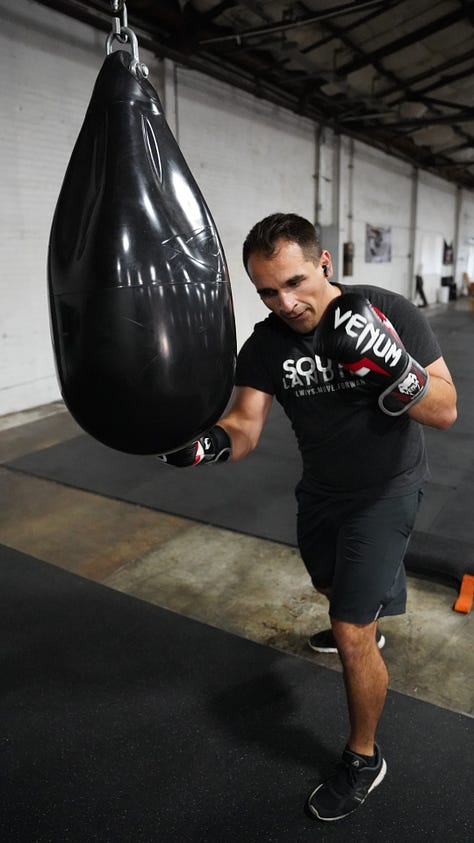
124, 34
117, 5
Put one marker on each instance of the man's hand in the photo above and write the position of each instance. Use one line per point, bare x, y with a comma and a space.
213, 446
355, 334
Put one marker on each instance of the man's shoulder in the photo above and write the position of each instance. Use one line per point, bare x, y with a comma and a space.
263, 336
271, 324
388, 301
370, 290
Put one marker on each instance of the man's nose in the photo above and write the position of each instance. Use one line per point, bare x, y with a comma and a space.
287, 301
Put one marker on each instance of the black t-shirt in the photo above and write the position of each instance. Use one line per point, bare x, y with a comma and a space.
346, 442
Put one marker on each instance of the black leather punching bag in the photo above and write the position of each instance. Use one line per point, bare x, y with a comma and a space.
141, 305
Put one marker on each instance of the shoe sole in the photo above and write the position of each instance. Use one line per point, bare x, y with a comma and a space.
372, 787
330, 650
326, 650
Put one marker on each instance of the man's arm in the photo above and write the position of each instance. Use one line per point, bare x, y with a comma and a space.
245, 420
355, 333
437, 408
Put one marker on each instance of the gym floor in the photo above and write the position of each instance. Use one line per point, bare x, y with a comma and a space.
252, 587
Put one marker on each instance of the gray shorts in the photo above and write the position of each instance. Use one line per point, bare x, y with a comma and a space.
356, 549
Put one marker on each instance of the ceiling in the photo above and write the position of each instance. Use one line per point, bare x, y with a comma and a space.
396, 74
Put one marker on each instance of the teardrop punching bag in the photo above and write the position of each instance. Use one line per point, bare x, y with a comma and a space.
141, 307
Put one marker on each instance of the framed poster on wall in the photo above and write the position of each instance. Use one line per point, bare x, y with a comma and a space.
448, 253
378, 244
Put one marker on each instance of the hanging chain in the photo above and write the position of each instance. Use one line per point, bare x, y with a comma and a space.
122, 32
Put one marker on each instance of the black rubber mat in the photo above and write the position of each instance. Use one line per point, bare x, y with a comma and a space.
255, 496
125, 722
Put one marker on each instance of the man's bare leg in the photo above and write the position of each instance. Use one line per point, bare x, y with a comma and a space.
366, 681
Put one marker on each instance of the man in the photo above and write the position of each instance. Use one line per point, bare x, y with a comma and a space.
358, 371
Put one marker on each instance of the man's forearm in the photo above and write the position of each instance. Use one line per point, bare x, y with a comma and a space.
437, 408
242, 443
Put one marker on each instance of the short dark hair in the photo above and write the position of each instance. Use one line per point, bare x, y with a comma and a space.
265, 234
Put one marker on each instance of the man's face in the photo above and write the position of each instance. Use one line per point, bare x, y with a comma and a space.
293, 287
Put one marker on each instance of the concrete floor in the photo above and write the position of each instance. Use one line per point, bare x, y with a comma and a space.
252, 587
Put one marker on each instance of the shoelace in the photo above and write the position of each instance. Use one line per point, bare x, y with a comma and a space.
345, 775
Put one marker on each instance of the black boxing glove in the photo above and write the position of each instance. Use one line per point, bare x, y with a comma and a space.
357, 335
213, 446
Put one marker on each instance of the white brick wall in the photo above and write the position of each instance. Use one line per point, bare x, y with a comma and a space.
249, 157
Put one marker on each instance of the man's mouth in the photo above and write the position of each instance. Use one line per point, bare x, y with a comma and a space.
296, 315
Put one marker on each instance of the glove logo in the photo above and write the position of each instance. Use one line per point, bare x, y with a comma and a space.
358, 327
409, 386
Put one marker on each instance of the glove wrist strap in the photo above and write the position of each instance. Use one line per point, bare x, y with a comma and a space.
406, 391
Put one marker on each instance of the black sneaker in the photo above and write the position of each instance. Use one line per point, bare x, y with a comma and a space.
348, 788
323, 642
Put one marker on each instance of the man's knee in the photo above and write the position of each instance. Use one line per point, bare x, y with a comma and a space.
354, 641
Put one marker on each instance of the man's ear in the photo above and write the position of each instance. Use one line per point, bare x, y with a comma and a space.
325, 263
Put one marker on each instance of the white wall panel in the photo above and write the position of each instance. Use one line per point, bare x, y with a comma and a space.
41, 63
381, 198
436, 219
465, 256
